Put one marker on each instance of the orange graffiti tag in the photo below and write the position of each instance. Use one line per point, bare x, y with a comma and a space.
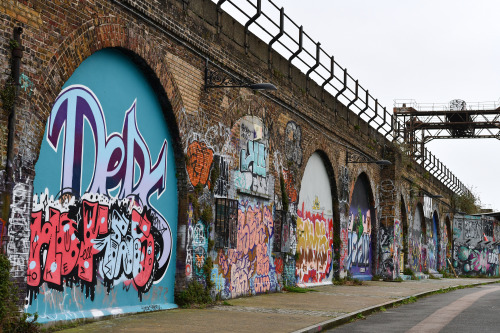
199, 161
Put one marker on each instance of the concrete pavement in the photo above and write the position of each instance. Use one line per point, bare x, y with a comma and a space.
325, 307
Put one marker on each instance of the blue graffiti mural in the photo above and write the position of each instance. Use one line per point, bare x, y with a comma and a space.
254, 158
105, 197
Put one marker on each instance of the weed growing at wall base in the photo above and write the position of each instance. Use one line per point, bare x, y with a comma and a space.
11, 319
293, 289
408, 271
195, 295
446, 274
348, 281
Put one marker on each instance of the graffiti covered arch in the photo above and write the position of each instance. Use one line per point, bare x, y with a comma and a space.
433, 243
315, 222
105, 197
361, 223
405, 235
416, 239
447, 239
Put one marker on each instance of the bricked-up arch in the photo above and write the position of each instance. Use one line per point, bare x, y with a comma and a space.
337, 243
317, 222
135, 41
448, 239
434, 244
105, 195
404, 228
417, 240
361, 230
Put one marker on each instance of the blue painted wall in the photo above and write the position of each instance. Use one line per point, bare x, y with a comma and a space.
104, 215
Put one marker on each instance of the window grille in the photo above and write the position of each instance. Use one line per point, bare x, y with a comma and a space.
226, 223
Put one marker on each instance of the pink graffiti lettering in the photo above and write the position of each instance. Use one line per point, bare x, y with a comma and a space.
241, 271
262, 260
262, 284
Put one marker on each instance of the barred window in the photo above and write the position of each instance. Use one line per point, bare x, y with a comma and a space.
226, 223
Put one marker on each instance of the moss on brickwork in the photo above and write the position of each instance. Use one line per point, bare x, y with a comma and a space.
8, 96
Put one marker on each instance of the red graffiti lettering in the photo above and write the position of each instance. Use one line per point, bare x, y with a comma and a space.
278, 262
94, 224
143, 249
62, 248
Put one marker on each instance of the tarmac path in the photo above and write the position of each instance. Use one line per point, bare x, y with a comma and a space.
464, 310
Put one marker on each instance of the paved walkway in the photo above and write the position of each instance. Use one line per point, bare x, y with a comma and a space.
323, 308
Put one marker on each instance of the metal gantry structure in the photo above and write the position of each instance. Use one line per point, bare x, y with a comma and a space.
423, 123
420, 123
271, 24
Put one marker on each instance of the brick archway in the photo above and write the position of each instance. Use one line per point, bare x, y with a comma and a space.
101, 33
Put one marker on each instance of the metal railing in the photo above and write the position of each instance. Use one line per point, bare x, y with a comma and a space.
472, 106
273, 26
436, 168
270, 23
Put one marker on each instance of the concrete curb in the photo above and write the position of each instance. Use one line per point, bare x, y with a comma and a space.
337, 321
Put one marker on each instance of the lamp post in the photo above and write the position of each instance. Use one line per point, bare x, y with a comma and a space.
253, 86
217, 77
348, 159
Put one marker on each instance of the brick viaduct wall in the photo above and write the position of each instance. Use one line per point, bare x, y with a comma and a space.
253, 149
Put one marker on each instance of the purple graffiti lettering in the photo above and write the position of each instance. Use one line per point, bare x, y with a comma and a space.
122, 161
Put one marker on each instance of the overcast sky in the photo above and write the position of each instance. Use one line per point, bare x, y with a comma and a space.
426, 50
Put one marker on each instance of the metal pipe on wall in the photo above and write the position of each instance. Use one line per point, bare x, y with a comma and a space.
17, 54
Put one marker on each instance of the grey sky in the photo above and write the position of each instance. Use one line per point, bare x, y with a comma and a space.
427, 50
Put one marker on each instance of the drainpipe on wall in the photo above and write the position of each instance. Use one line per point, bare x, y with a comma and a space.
17, 54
